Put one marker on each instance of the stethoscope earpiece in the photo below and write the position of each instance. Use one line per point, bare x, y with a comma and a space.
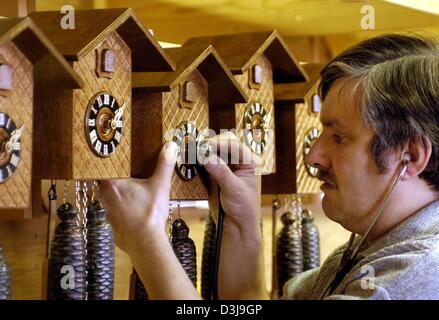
407, 158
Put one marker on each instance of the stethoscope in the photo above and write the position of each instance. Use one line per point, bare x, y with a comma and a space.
349, 257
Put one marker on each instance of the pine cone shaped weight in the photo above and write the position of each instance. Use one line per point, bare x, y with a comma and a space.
208, 258
100, 254
5, 278
310, 242
184, 248
67, 269
289, 251
139, 290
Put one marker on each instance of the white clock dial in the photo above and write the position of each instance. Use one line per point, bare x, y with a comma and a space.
103, 124
10, 146
255, 123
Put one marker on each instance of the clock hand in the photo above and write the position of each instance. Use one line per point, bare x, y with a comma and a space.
13, 139
118, 116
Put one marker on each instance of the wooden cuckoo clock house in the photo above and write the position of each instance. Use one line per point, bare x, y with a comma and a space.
176, 106
27, 61
92, 125
258, 61
298, 126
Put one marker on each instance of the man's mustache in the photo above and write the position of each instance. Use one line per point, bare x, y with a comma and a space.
326, 176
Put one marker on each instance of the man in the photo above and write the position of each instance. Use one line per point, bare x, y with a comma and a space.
380, 119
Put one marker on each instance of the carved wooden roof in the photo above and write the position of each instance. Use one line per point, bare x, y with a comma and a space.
223, 87
239, 51
92, 26
50, 68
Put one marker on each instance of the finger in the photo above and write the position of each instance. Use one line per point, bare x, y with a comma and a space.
220, 172
165, 165
234, 152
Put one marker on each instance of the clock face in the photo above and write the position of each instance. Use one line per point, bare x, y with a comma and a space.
255, 122
308, 141
103, 124
189, 141
10, 146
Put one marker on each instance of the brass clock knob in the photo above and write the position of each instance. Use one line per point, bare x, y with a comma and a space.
309, 139
10, 146
190, 143
103, 124
255, 123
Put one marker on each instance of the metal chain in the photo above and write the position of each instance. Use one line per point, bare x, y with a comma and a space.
170, 221
94, 191
84, 228
65, 191
78, 202
297, 211
287, 204
300, 214
276, 202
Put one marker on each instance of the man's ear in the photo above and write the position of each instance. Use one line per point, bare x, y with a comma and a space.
420, 153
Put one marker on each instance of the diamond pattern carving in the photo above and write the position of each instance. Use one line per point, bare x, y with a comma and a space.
173, 115
266, 98
15, 192
86, 164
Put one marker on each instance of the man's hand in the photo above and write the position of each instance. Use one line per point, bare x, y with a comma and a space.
238, 180
241, 269
138, 209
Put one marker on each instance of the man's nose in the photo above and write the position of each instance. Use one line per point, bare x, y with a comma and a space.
317, 156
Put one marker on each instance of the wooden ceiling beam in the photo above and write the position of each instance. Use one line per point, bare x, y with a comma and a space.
16, 8
176, 20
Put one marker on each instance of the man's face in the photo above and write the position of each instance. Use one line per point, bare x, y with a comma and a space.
353, 186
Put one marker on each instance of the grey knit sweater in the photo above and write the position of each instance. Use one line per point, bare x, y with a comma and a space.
403, 264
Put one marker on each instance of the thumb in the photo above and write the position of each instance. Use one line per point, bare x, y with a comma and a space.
165, 165
220, 172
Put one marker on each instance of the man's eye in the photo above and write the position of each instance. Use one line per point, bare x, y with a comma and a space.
337, 138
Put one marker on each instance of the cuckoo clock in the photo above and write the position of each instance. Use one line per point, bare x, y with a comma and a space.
257, 60
27, 61
175, 106
92, 125
297, 124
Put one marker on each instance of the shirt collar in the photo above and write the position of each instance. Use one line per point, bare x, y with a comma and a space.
423, 222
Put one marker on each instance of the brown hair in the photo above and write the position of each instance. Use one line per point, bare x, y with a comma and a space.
399, 80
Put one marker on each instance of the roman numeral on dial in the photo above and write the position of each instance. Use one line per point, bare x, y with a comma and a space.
93, 136
98, 146
104, 124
